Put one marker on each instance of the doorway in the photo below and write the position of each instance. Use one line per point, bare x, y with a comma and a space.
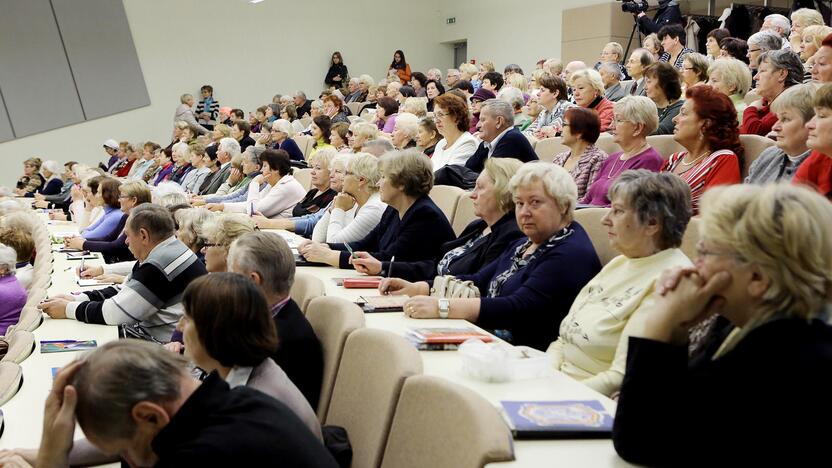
460, 53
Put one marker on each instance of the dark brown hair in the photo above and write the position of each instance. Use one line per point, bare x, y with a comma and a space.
325, 124
553, 83
390, 105
109, 189
232, 319
668, 77
585, 122
278, 160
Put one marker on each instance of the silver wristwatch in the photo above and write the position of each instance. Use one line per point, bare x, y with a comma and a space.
444, 307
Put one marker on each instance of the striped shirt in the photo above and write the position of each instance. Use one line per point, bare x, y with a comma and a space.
586, 170
719, 168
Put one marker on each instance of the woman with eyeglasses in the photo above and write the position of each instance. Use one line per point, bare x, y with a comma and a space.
281, 138
764, 267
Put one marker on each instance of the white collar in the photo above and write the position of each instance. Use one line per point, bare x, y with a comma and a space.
496, 140
239, 376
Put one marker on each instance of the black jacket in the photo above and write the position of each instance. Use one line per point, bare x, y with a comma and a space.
218, 426
757, 405
299, 352
337, 70
418, 235
306, 108
668, 13
512, 145
504, 233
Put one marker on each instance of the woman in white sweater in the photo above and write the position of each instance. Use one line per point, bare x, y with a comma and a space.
457, 145
650, 212
358, 208
277, 198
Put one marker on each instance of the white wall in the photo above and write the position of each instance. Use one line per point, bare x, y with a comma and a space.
276, 46
504, 32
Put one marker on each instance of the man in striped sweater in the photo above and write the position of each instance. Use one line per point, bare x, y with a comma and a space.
148, 304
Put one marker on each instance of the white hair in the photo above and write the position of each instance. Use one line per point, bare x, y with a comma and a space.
408, 123
180, 148
557, 183
780, 21
512, 96
52, 166
168, 190
230, 146
766, 40
435, 71
283, 125
8, 258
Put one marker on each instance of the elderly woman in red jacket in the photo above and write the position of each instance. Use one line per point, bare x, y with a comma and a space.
588, 91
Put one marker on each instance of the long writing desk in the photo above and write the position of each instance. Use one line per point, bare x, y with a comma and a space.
448, 365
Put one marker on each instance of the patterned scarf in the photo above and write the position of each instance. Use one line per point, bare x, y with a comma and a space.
519, 261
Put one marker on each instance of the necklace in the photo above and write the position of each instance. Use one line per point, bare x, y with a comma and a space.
634, 153
682, 161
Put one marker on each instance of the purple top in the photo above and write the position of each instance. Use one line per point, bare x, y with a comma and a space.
612, 167
389, 125
12, 300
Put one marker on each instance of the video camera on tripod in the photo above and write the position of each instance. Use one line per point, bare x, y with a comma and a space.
634, 7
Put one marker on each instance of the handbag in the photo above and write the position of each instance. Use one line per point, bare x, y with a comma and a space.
450, 287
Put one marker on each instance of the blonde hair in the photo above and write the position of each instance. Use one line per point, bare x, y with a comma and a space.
734, 73
224, 130
137, 189
617, 49
364, 129
516, 80
591, 76
487, 65
408, 123
807, 17
783, 230
699, 63
639, 110
500, 171
190, 221
226, 227
468, 68
800, 98
817, 32
324, 157
417, 106
557, 183
365, 165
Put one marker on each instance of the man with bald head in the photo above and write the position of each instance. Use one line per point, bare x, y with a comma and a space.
571, 68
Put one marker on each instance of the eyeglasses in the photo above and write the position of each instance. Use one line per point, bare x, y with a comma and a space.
754, 50
703, 252
209, 244
617, 120
439, 115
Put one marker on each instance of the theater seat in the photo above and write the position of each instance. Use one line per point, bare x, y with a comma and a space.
21, 346
11, 378
590, 219
305, 288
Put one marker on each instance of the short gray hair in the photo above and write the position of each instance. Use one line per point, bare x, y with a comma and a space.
644, 56
435, 71
639, 110
783, 59
765, 40
156, 220
230, 146
734, 73
800, 98
612, 68
558, 184
254, 153
269, 255
378, 146
367, 166
8, 258
781, 22
499, 108
117, 376
283, 125
656, 196
511, 95
300, 94
52, 166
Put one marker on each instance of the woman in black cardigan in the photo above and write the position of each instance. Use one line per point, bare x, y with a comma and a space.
412, 227
482, 241
765, 264
337, 76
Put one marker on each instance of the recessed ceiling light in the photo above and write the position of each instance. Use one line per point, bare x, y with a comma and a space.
254, 1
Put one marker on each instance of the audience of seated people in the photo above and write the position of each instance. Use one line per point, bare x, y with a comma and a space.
533, 274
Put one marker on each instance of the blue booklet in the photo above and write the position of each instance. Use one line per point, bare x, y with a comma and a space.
585, 419
63, 346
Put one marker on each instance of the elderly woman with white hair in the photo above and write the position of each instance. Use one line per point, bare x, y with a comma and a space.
514, 97
635, 118
405, 131
764, 267
321, 194
218, 233
778, 70
649, 215
588, 92
51, 171
526, 292
794, 110
732, 78
358, 208
12, 294
281, 138
360, 133
802, 19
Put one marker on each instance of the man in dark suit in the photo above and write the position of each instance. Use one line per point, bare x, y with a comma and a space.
304, 106
499, 137
226, 150
267, 259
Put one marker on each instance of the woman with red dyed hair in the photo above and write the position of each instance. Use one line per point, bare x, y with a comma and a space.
707, 127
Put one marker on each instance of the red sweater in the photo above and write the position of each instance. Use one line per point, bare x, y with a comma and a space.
816, 171
757, 121
604, 110
125, 170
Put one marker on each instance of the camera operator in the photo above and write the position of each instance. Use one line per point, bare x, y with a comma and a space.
668, 13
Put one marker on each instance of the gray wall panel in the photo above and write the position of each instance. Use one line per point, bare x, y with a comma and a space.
6, 133
100, 49
35, 76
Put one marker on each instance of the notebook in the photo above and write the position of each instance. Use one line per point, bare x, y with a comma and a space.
444, 338
382, 303
366, 282
576, 419
78, 255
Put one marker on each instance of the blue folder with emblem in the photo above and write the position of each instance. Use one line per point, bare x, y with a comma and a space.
585, 419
